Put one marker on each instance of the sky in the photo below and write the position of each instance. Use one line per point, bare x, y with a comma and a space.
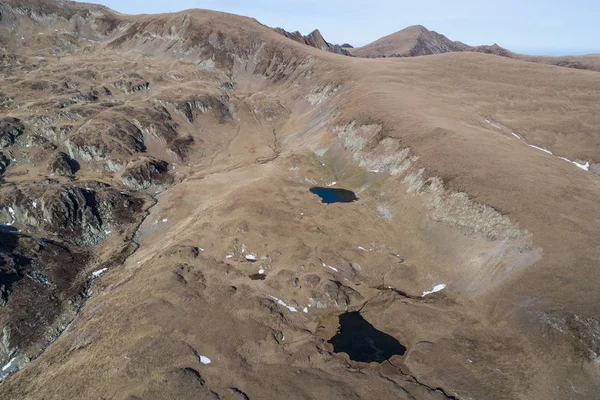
540, 27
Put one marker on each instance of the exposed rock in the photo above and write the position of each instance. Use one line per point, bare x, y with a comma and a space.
313, 39
192, 107
181, 146
131, 83
39, 277
111, 143
10, 129
595, 168
81, 215
147, 173
187, 376
4, 163
63, 165
334, 294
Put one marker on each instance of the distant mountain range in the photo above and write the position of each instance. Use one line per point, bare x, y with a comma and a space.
417, 40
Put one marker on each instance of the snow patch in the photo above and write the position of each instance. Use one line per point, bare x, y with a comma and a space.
585, 167
540, 148
282, 303
11, 211
99, 272
330, 184
7, 366
435, 289
204, 360
493, 124
330, 267
165, 220
251, 256
261, 271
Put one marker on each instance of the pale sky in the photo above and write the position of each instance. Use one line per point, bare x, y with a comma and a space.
551, 27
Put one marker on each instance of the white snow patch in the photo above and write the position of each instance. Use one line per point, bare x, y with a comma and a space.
493, 124
7, 366
96, 274
374, 170
200, 249
362, 248
243, 248
229, 255
435, 289
11, 212
261, 271
330, 184
282, 303
204, 360
585, 167
165, 220
34, 204
540, 148
515, 135
330, 267
305, 310
251, 256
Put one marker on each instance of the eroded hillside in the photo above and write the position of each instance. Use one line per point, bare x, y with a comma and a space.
161, 239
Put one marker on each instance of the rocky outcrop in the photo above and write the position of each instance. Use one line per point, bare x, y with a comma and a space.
192, 107
314, 39
63, 165
147, 173
106, 141
493, 49
131, 83
10, 129
4, 163
80, 215
40, 293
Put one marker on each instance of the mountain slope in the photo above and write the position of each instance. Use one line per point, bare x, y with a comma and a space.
160, 238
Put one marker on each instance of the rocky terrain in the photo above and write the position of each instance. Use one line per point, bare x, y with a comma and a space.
195, 206
315, 39
420, 41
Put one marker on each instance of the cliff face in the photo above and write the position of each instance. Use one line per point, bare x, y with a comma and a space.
314, 39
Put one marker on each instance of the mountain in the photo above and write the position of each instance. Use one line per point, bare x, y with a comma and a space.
314, 39
419, 41
194, 206
412, 41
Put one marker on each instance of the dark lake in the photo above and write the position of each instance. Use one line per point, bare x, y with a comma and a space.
362, 342
330, 195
